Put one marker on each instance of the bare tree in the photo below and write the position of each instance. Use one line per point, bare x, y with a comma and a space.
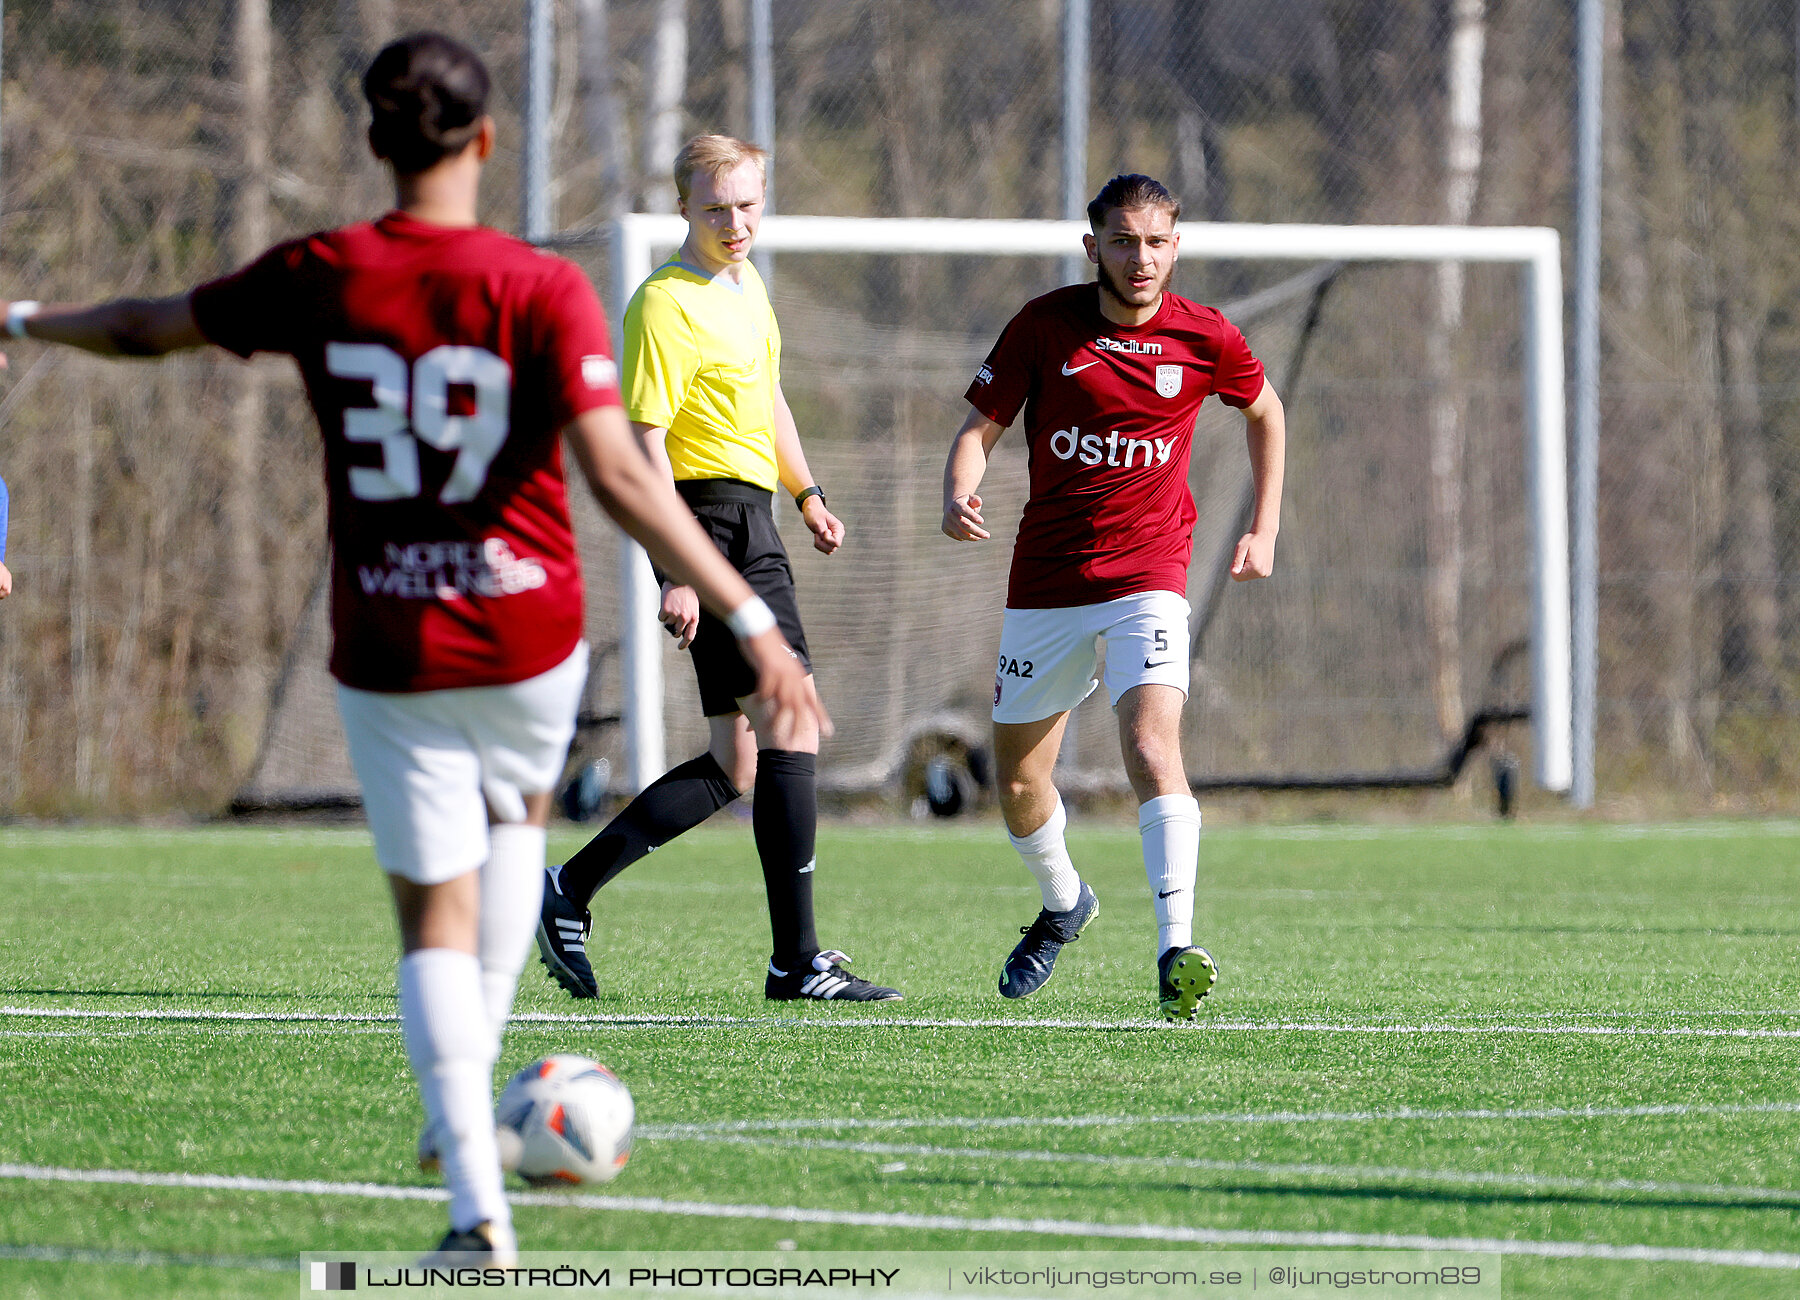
662, 115
601, 113
81, 586
734, 26
254, 51
1750, 651
373, 18
1462, 169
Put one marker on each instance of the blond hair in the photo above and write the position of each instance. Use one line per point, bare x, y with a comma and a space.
715, 155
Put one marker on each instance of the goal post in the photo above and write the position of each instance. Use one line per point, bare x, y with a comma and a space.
635, 239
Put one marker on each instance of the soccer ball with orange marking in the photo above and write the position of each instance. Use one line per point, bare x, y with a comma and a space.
573, 1119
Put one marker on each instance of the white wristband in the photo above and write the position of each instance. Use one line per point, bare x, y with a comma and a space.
18, 314
752, 618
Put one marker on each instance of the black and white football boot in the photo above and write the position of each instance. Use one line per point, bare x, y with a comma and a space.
562, 935
826, 981
473, 1248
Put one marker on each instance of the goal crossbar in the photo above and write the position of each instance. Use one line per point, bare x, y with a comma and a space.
1537, 251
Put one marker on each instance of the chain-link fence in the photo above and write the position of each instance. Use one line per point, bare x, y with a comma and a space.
166, 518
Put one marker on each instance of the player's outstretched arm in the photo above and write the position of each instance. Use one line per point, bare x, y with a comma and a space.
962, 475
790, 462
642, 499
124, 327
1265, 432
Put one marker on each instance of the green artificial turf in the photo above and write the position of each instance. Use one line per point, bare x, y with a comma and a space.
1380, 987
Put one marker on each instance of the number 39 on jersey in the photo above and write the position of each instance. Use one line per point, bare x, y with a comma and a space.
412, 409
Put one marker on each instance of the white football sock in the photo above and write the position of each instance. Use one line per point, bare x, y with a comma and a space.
512, 895
1047, 858
1170, 827
452, 1053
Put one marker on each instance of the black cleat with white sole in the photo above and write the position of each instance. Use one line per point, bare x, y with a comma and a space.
470, 1248
826, 981
562, 935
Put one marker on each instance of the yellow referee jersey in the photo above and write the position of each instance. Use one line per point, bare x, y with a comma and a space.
702, 358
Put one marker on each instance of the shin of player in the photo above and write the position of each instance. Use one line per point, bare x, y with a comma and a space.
1109, 377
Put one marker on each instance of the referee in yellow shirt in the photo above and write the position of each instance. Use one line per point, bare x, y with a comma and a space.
702, 383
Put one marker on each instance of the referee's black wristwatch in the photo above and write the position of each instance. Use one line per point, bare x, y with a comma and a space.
801, 496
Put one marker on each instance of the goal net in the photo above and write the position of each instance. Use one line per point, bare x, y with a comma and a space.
1336, 667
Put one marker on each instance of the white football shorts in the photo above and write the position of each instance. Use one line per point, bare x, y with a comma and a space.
431, 763
1048, 656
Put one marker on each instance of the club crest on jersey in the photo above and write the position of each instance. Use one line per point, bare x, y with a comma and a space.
1168, 381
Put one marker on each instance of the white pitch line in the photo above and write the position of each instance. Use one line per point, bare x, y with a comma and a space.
153, 1013
1583, 1031
1385, 1173
1618, 1015
1642, 1253
662, 1020
1674, 1109
1772, 828
142, 1258
305, 1031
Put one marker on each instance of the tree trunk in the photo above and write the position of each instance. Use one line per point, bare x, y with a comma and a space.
1749, 645
605, 123
734, 25
1750, 651
1649, 538
1444, 544
373, 18
1190, 160
662, 115
81, 588
249, 409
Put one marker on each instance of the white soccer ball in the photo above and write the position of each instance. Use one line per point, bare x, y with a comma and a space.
573, 1119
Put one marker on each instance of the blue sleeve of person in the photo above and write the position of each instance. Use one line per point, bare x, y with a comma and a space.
2, 520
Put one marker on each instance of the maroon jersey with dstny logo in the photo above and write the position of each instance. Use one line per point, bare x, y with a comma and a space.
443, 363
1109, 423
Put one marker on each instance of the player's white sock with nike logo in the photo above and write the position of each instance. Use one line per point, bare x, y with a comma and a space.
512, 895
1047, 858
1170, 827
452, 1054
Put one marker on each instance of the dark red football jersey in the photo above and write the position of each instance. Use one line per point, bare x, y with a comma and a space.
443, 363
1109, 423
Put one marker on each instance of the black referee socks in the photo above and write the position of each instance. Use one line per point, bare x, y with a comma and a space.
786, 821
677, 801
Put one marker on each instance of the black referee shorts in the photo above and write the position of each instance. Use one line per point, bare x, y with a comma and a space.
740, 520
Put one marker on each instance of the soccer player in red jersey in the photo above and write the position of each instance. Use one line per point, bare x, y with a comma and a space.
1110, 377
446, 363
